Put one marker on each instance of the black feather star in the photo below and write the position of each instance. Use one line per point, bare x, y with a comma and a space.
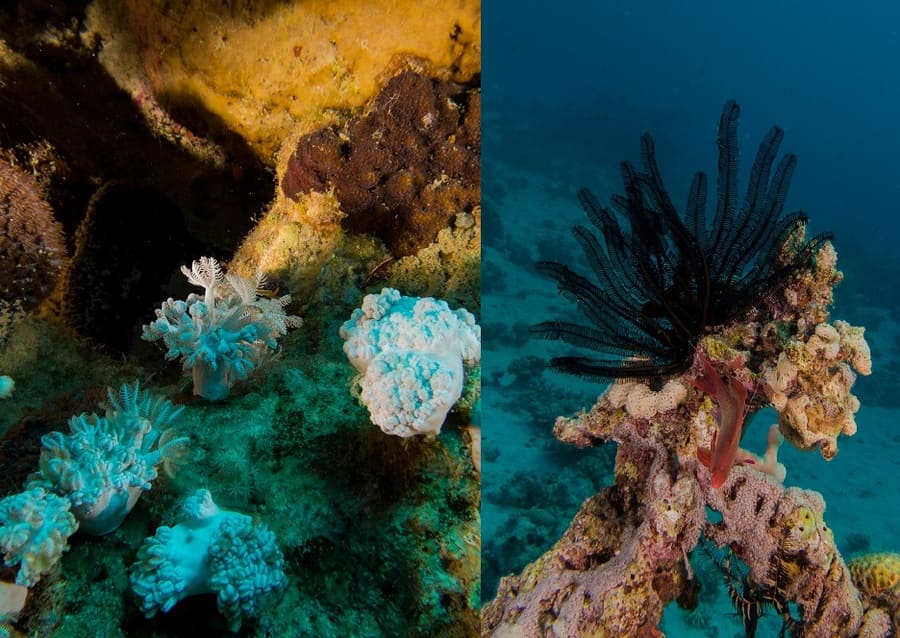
661, 282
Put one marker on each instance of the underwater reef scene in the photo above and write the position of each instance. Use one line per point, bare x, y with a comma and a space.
684, 437
239, 319
741, 301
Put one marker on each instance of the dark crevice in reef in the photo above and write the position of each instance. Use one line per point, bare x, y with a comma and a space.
64, 119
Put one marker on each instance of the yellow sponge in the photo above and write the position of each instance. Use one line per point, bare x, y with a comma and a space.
877, 575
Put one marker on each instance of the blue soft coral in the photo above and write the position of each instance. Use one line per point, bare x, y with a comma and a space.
210, 551
222, 336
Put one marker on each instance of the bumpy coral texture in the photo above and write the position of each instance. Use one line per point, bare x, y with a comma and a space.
877, 576
810, 383
403, 170
222, 336
106, 462
784, 541
209, 551
413, 354
32, 248
787, 353
205, 62
34, 528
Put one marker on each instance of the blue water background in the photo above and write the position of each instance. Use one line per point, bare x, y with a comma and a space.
569, 87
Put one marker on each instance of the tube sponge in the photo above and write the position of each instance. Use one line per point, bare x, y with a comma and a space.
413, 353
210, 551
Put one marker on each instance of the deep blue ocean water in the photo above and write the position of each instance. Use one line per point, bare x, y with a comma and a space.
569, 87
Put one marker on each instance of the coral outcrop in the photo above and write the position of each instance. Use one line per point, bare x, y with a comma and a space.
254, 71
627, 551
622, 558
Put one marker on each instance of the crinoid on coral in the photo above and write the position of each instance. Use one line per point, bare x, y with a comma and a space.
660, 282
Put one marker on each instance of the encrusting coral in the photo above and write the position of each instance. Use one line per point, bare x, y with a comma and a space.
877, 576
627, 551
404, 169
202, 61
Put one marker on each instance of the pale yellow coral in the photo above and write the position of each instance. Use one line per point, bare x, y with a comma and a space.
877, 576
854, 346
810, 383
449, 268
640, 402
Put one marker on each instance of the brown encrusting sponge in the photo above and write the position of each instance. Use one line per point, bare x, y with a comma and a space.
403, 170
32, 250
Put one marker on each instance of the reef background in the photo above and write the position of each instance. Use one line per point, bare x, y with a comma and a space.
598, 94
159, 132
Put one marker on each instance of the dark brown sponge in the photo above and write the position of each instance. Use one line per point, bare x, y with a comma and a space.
404, 169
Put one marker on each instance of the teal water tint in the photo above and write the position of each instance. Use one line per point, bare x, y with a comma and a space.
379, 534
569, 89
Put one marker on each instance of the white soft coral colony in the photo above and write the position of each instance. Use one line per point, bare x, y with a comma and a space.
413, 353
224, 334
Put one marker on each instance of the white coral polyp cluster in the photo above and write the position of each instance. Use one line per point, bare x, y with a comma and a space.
413, 353
106, 462
210, 551
223, 335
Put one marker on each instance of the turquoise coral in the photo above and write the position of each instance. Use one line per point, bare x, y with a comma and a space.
34, 529
223, 335
210, 551
106, 462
